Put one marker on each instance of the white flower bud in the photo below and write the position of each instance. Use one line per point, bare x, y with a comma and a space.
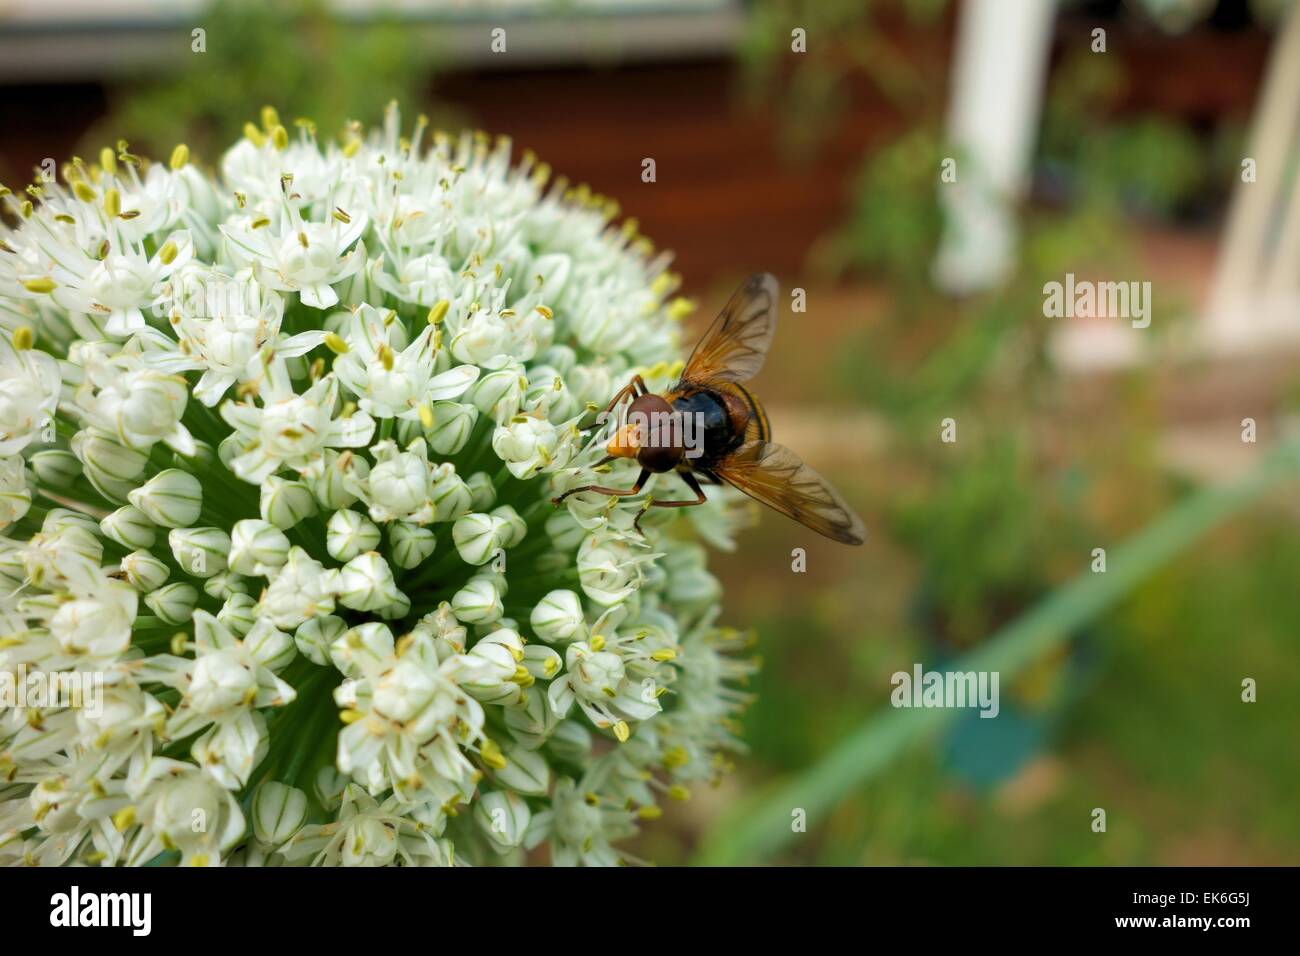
231, 447
96, 622
366, 583
221, 682
269, 646
608, 568
484, 336
565, 532
225, 583
108, 457
348, 534
60, 519
279, 811
514, 527
171, 498
482, 492
328, 785
238, 613
173, 603
399, 485
477, 537
478, 602
257, 547
593, 675
453, 423
298, 591
451, 496
315, 637
558, 617
180, 802
284, 503
504, 816
525, 444
571, 742
340, 478
361, 648
200, 552
55, 467
499, 393
526, 771
15, 498
129, 527
145, 572
541, 662
411, 544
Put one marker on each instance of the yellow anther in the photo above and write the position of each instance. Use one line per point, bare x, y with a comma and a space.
124, 818
426, 415
350, 716
83, 191
676, 757
439, 312
492, 755
254, 135
38, 286
597, 642
108, 161
180, 156
280, 138
112, 203
679, 308
167, 254
336, 343
622, 731
24, 338
270, 118
664, 655
650, 812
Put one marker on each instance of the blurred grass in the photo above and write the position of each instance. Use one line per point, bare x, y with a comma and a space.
756, 828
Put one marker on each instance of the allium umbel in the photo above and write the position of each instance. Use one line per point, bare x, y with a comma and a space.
277, 455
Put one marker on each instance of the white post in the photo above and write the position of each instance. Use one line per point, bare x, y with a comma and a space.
1254, 298
997, 91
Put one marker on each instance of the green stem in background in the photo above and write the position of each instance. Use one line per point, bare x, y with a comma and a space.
759, 827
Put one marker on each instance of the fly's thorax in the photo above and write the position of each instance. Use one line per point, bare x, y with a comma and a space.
712, 425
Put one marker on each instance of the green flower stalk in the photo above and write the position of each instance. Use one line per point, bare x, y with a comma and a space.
277, 456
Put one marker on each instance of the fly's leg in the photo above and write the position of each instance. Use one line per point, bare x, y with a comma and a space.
691, 483
635, 388
602, 490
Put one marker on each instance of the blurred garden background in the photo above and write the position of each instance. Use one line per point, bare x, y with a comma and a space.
823, 166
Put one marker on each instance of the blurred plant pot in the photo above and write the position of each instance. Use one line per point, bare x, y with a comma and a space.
984, 752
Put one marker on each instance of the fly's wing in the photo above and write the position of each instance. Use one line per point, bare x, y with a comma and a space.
777, 477
735, 345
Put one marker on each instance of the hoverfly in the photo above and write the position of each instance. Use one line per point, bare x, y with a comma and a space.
736, 446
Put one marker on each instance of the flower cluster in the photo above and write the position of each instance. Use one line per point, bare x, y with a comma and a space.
277, 454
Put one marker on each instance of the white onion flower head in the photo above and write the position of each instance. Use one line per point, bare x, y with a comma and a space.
278, 449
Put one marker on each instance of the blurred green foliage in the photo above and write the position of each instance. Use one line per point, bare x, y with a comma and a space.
1163, 719
985, 527
296, 54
